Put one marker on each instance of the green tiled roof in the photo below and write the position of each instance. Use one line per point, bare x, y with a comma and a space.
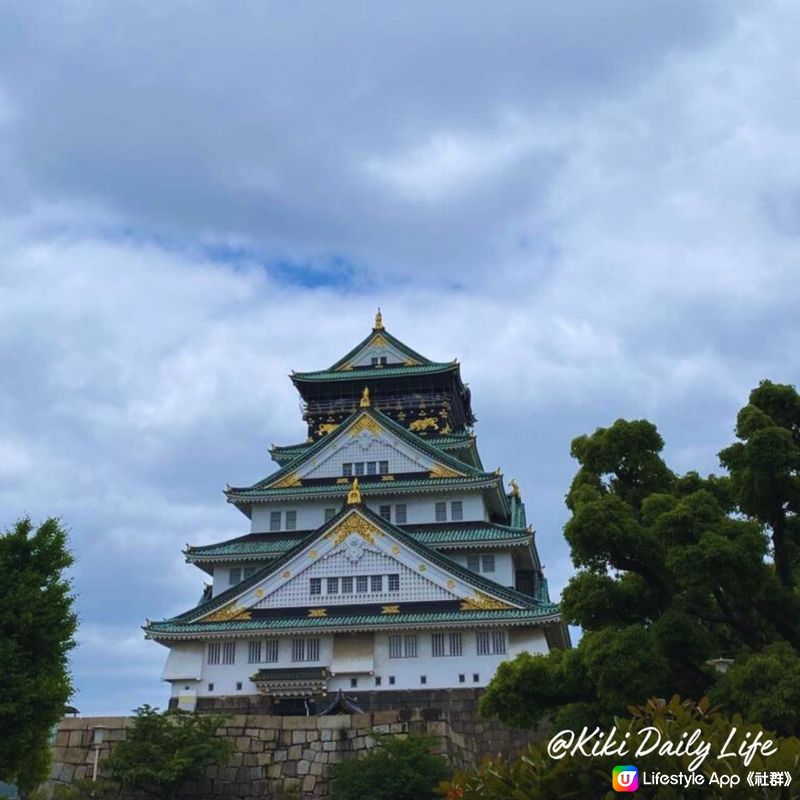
470, 578
374, 373
270, 545
401, 346
540, 613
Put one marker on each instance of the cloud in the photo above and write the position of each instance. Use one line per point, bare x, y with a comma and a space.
593, 207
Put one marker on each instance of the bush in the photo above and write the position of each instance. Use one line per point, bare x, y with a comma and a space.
397, 769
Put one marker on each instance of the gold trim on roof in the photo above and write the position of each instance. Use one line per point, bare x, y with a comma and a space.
317, 612
292, 479
354, 495
365, 401
364, 423
390, 610
232, 611
424, 424
444, 472
378, 326
482, 602
514, 487
354, 523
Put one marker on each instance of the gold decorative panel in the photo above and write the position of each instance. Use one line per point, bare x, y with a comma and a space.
226, 613
317, 612
424, 424
482, 602
354, 523
444, 472
364, 423
292, 479
390, 610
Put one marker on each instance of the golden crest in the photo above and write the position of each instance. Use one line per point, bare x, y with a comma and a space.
365, 401
390, 610
226, 613
423, 424
259, 593
354, 495
395, 549
354, 523
451, 584
312, 553
286, 573
387, 477
444, 472
422, 568
364, 423
317, 612
378, 340
482, 602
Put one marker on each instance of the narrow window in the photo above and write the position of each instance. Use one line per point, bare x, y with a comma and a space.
330, 513
291, 520
332, 586
499, 642
254, 653
312, 650
238, 686
274, 520
359, 465
456, 511
395, 647
271, 650
410, 646
483, 644
347, 585
248, 572
437, 644
234, 576
441, 512
394, 583
462, 678
475, 677
487, 563
423, 679
383, 467
347, 469
353, 683
372, 468
391, 680
386, 512
455, 644
400, 513
377, 680
316, 586
474, 563
213, 652
375, 361
361, 584
229, 653
376, 583
305, 650
210, 687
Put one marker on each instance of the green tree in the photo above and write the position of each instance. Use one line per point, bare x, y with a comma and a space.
162, 752
669, 577
397, 769
37, 629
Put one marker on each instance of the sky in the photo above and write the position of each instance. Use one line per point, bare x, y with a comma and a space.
594, 206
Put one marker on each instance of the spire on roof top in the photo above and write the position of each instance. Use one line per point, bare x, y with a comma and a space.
514, 488
354, 495
378, 326
365, 402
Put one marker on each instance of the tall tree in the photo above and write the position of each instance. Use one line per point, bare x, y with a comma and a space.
37, 629
669, 577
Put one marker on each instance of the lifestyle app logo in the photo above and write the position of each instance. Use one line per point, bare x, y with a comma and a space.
625, 779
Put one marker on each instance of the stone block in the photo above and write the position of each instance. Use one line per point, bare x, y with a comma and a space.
334, 723
75, 739
361, 720
317, 769
279, 755
382, 728
384, 717
312, 736
329, 746
298, 737
397, 727
308, 783
303, 767
326, 735
268, 734
274, 770
294, 752
290, 769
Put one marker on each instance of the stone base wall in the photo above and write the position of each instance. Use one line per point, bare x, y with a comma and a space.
289, 758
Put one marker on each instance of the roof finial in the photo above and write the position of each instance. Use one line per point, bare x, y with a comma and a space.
354, 495
378, 326
514, 487
365, 402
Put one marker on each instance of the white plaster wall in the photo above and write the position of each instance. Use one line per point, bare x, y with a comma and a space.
503, 566
221, 576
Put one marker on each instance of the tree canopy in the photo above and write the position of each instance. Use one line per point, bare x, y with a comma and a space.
673, 571
37, 629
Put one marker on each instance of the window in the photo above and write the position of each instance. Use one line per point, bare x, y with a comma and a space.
475, 677
353, 683
213, 652
386, 512
291, 520
248, 572
376, 583
400, 513
441, 512
210, 687
456, 511
379, 361
423, 679
238, 686
234, 575
410, 646
316, 586
274, 520
383, 467
254, 653
359, 465
377, 680
372, 468
270, 650
347, 585
361, 584
229, 652
462, 678
332, 586
494, 644
347, 470
391, 680
474, 563
305, 650
394, 583
446, 644
330, 513
487, 563
395, 647
402, 646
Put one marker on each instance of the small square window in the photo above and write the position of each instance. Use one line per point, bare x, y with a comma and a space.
394, 583
372, 468
487, 564
474, 563
386, 512
274, 520
376, 583
353, 683
347, 469
248, 572
462, 678
234, 576
238, 686
332, 586
359, 465
383, 467
456, 511
377, 680
316, 586
330, 513
210, 687
423, 679
400, 513
291, 520
362, 584
347, 585
475, 677
391, 680
441, 512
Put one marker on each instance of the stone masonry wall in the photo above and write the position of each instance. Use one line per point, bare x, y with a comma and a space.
289, 758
